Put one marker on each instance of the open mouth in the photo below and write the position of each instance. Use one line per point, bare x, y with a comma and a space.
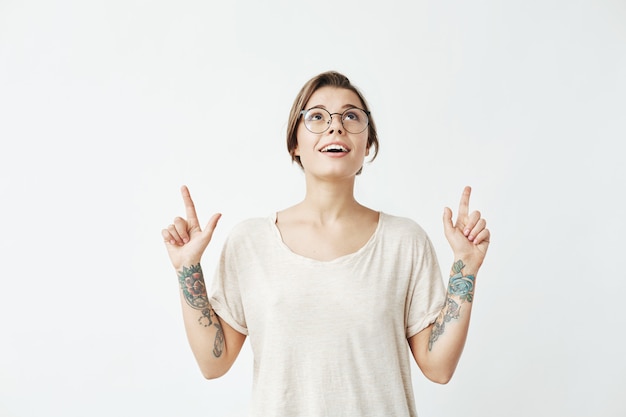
334, 148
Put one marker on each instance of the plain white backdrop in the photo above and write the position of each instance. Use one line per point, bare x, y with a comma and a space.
107, 107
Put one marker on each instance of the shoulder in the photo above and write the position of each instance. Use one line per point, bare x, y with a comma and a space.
402, 226
408, 237
251, 224
251, 229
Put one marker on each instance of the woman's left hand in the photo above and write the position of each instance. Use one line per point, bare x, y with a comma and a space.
468, 236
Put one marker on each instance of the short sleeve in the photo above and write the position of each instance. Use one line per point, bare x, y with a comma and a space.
427, 293
225, 295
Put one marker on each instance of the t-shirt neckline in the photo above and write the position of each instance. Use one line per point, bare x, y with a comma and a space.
344, 258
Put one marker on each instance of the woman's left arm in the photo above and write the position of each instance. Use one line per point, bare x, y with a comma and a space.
437, 349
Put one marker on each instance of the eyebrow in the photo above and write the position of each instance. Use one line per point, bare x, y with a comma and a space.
345, 106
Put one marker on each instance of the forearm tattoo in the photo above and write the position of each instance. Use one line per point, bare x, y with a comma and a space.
461, 288
194, 292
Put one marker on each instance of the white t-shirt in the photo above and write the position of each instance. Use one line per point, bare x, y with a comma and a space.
329, 338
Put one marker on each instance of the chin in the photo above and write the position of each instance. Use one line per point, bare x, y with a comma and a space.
334, 174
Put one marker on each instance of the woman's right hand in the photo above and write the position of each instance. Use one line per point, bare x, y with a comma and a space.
184, 239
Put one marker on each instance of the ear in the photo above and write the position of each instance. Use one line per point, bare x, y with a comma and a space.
296, 151
367, 151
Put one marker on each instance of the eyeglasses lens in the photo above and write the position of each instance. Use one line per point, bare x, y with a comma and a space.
353, 120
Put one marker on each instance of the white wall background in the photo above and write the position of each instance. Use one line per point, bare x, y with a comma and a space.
107, 107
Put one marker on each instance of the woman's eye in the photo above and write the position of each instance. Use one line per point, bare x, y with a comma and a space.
350, 116
314, 116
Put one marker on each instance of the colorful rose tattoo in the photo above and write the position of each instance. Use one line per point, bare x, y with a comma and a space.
460, 285
192, 284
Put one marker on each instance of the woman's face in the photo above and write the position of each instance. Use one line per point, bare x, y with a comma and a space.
334, 153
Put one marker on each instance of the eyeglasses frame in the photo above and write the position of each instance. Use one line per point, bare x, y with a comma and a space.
367, 113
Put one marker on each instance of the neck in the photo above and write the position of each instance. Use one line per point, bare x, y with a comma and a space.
330, 200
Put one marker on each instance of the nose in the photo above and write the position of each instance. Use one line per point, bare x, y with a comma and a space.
335, 123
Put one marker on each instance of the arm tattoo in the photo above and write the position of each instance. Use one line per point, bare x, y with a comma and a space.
218, 344
460, 286
194, 292
192, 284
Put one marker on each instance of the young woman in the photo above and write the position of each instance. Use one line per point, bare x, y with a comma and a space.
334, 296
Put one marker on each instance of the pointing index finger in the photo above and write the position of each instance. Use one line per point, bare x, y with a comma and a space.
464, 204
190, 208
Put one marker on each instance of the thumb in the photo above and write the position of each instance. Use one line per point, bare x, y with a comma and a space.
448, 227
210, 226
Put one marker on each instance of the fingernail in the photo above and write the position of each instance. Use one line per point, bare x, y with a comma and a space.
185, 240
466, 232
470, 238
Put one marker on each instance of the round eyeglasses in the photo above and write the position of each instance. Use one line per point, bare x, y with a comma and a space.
318, 120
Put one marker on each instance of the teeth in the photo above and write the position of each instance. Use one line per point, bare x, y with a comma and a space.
334, 148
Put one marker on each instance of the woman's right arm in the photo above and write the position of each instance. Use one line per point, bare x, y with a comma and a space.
213, 342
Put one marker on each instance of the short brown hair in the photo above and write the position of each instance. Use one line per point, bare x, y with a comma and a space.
325, 79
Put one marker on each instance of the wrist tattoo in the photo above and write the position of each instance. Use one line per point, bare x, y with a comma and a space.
194, 292
461, 286
192, 284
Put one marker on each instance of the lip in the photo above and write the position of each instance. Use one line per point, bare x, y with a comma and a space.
335, 154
